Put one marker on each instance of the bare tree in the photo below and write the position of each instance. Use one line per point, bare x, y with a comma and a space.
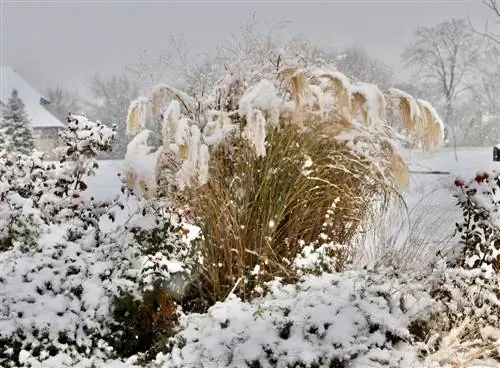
493, 36
488, 81
490, 62
62, 101
445, 56
109, 100
149, 70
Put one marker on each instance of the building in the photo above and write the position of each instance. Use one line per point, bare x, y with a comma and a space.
45, 126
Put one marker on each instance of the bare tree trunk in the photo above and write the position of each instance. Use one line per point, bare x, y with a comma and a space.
449, 110
455, 143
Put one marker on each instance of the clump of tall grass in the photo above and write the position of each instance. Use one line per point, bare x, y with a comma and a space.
257, 212
303, 157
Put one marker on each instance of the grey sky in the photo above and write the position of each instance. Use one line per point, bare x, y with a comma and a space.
62, 42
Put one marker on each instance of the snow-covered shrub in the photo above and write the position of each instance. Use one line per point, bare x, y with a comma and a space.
142, 326
464, 327
236, 155
468, 293
349, 319
57, 284
57, 298
36, 194
20, 219
479, 231
167, 242
165, 257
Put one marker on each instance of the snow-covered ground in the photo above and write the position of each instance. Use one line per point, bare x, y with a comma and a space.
466, 163
429, 197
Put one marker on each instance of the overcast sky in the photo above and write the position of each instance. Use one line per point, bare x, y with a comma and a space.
63, 41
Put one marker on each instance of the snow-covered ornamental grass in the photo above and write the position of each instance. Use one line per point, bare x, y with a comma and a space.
266, 166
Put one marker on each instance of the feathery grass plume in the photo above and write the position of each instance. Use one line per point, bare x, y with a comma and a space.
339, 86
137, 115
299, 88
171, 117
139, 166
432, 133
398, 167
409, 111
377, 146
259, 100
358, 107
162, 95
368, 102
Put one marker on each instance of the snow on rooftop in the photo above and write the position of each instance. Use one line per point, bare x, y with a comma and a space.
40, 116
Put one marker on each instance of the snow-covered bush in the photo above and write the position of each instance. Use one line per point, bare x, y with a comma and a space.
21, 221
57, 298
349, 319
468, 294
166, 240
36, 194
162, 252
60, 270
479, 231
466, 326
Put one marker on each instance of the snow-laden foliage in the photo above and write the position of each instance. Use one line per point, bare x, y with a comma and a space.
58, 269
468, 294
479, 231
464, 330
15, 127
355, 319
21, 223
57, 298
86, 291
476, 283
165, 241
36, 194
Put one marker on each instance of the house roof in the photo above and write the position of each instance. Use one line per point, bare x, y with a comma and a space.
40, 116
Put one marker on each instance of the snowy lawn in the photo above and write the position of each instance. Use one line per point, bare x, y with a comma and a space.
429, 197
434, 189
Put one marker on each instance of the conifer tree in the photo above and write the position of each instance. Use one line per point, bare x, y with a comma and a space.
15, 129
4, 144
